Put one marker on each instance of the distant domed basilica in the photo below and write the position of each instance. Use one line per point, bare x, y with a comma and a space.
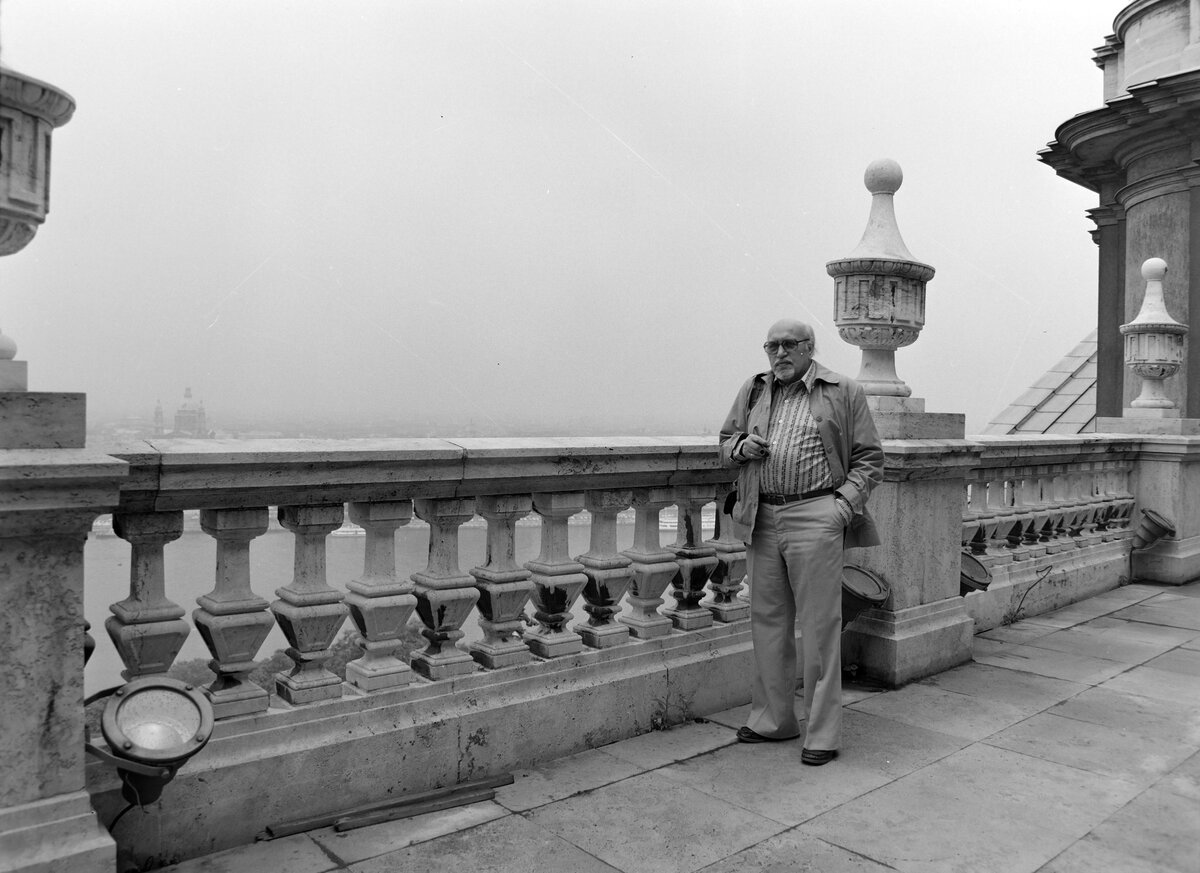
190, 420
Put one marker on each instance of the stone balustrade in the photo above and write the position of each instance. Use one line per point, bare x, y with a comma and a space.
1033, 496
661, 634
446, 485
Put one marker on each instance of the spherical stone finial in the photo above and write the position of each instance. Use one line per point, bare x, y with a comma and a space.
1154, 269
883, 176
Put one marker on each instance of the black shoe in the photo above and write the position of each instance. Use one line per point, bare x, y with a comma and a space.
817, 757
745, 735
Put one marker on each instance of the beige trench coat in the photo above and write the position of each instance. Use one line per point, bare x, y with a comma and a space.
852, 448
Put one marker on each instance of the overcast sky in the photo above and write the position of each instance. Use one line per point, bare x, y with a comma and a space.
555, 212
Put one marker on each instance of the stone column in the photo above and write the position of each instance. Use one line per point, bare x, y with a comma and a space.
310, 613
1109, 236
923, 628
727, 576
504, 587
445, 594
694, 560
147, 628
379, 603
653, 566
556, 578
607, 571
232, 619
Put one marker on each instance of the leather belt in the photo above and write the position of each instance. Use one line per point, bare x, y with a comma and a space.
780, 499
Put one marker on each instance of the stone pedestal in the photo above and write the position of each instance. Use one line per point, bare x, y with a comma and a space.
905, 418
48, 501
1167, 478
923, 627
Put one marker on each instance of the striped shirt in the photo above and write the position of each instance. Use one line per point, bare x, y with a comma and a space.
796, 462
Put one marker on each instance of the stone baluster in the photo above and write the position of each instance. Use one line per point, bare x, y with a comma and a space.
1028, 506
975, 515
445, 594
309, 612
608, 572
147, 628
726, 579
653, 566
504, 587
1000, 513
695, 561
556, 578
232, 620
379, 603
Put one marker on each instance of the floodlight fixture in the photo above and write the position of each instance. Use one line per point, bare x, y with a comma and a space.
153, 725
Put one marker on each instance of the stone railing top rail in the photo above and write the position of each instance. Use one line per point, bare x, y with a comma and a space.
202, 474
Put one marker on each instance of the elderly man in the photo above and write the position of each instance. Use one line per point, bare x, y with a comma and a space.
808, 457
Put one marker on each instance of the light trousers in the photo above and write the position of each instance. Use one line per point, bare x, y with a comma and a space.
795, 565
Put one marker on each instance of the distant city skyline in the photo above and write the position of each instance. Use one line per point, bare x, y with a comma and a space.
538, 213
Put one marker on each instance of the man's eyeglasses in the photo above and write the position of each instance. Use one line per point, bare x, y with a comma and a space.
788, 346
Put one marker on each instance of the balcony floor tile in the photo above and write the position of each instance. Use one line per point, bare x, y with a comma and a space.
1028, 691
1162, 684
1089, 856
659, 748
1100, 749
804, 854
1149, 829
769, 780
562, 778
1057, 665
971, 718
1106, 642
294, 854
652, 824
981, 809
1171, 721
506, 844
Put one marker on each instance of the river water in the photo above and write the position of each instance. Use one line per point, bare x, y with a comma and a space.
191, 567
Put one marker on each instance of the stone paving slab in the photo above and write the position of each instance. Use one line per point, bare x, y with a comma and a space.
1028, 691
982, 809
1177, 612
505, 845
1108, 751
562, 778
1150, 827
1171, 721
1150, 682
1089, 856
659, 748
652, 824
294, 854
362, 843
948, 712
1046, 662
1184, 780
1183, 661
769, 780
794, 852
1020, 632
1107, 642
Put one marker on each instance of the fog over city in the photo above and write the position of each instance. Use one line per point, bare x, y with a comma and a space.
538, 217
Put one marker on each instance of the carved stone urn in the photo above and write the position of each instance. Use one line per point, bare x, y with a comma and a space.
1154, 343
879, 288
29, 111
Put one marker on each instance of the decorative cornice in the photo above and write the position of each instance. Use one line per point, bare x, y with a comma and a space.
35, 97
1170, 182
881, 266
1166, 108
